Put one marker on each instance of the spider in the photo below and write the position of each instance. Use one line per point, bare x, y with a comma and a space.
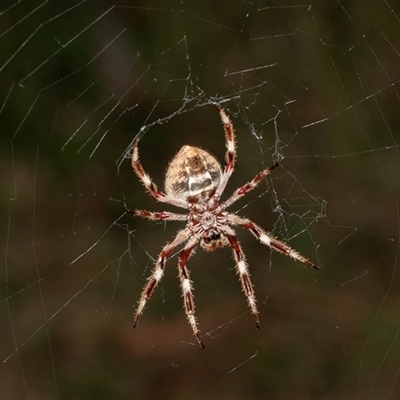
195, 181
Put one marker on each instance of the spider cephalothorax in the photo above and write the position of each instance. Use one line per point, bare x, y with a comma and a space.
195, 181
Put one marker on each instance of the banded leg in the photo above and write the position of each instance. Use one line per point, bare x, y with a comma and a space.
156, 216
187, 292
244, 276
158, 273
240, 192
148, 183
268, 240
230, 154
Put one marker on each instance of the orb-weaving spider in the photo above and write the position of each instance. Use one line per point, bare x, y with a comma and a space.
194, 180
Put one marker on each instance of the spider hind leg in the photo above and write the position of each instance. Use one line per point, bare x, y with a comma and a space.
187, 293
158, 273
244, 276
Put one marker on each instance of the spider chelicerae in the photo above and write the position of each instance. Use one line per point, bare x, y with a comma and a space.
195, 181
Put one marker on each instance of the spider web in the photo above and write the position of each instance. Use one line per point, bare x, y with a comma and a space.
311, 85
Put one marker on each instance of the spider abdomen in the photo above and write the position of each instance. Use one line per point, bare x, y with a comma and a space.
193, 174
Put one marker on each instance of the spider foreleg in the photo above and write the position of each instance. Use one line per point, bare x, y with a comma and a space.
243, 272
268, 240
187, 291
141, 173
229, 138
230, 154
241, 191
158, 273
155, 216
148, 183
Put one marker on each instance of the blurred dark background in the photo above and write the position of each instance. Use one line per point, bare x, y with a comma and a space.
313, 85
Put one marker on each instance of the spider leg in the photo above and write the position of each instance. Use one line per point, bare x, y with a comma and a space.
187, 289
158, 272
230, 150
268, 240
243, 272
148, 183
241, 191
155, 216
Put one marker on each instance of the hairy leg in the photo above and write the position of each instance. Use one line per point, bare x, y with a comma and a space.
243, 272
187, 289
268, 240
230, 150
147, 181
158, 272
159, 215
241, 191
